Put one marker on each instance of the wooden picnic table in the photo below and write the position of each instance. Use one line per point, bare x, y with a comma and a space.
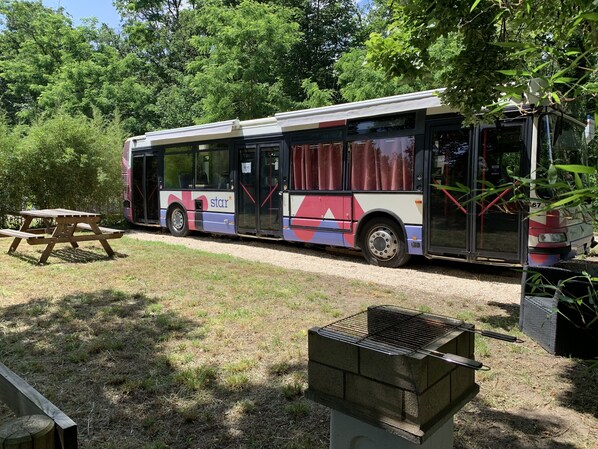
66, 223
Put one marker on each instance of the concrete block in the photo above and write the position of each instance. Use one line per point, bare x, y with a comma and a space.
332, 352
323, 379
437, 368
405, 372
462, 382
465, 342
349, 432
423, 408
378, 398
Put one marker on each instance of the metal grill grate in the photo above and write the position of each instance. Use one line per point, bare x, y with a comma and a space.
391, 330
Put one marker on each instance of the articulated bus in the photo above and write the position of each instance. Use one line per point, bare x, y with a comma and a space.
365, 176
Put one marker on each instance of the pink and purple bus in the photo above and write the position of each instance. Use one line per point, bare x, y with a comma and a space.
362, 175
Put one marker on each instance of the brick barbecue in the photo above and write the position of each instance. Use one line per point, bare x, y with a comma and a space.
397, 369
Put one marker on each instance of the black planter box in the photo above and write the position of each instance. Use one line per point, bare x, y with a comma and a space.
553, 323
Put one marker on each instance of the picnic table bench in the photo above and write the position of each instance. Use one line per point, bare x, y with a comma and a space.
67, 223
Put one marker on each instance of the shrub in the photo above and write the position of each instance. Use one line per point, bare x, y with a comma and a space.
73, 163
10, 174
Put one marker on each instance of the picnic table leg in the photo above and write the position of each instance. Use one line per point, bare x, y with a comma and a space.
17, 240
72, 230
46, 253
59, 230
96, 229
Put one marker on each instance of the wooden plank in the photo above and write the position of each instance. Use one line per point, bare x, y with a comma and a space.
19, 234
23, 400
75, 220
41, 231
75, 213
56, 213
76, 238
88, 227
17, 241
45, 213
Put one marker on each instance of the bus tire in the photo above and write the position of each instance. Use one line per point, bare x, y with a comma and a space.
382, 244
177, 221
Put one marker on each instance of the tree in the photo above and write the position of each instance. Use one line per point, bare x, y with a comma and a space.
47, 65
72, 162
10, 173
360, 79
159, 32
240, 68
329, 28
34, 44
504, 46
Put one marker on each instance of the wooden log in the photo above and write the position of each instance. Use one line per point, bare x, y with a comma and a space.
28, 432
23, 399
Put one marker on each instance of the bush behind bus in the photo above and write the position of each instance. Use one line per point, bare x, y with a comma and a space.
70, 162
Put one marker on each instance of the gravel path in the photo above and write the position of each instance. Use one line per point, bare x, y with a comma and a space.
420, 277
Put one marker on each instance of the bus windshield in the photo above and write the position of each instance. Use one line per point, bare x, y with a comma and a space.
561, 142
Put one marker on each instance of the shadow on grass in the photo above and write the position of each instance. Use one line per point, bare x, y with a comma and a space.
508, 320
583, 378
68, 255
583, 396
118, 365
481, 426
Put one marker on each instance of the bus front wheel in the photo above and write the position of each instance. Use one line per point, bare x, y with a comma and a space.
382, 244
177, 222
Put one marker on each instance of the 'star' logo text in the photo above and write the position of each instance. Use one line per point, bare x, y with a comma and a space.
219, 203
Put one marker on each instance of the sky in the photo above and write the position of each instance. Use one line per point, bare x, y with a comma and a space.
103, 10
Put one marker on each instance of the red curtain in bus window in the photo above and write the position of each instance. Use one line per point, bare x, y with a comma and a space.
364, 164
330, 158
382, 164
297, 171
317, 166
407, 160
304, 164
390, 167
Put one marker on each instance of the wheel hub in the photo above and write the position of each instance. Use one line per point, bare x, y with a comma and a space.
178, 221
383, 243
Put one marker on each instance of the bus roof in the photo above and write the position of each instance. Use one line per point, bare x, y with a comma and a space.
302, 119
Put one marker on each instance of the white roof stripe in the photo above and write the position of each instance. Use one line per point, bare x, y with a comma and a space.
379, 106
190, 133
302, 119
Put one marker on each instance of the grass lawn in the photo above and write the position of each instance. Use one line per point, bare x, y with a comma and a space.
169, 347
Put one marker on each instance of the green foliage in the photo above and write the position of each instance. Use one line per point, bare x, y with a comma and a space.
71, 162
10, 173
178, 105
240, 71
47, 65
33, 45
316, 97
504, 46
328, 28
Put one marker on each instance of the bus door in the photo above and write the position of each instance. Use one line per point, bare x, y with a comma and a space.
475, 162
258, 202
146, 192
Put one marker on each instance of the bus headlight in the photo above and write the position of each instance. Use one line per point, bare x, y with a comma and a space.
552, 238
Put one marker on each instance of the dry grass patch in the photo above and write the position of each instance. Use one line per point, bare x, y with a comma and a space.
167, 347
